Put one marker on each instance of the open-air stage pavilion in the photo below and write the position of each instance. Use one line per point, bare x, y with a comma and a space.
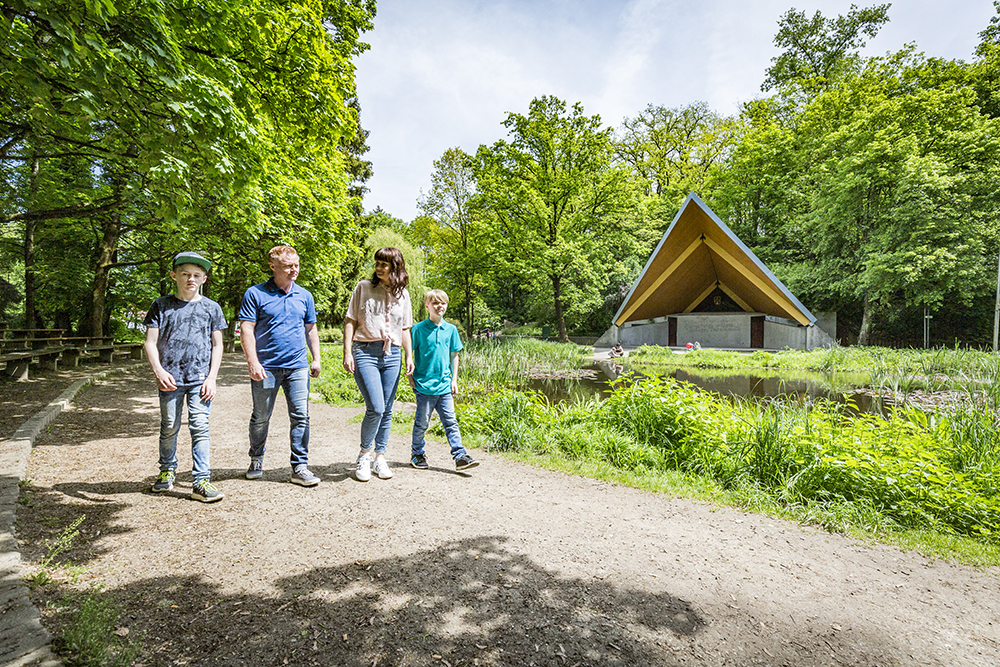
702, 284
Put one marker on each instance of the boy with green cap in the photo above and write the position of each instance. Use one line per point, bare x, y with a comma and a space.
184, 348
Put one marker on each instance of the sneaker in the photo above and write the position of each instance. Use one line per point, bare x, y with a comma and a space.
204, 491
363, 472
465, 462
256, 469
382, 468
164, 482
419, 461
303, 477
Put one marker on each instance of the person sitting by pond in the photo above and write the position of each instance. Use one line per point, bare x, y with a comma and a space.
434, 380
377, 325
617, 351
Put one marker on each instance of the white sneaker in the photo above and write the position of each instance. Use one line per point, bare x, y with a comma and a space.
363, 472
382, 468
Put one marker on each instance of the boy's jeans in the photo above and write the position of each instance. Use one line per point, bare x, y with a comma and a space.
295, 383
445, 406
171, 407
377, 375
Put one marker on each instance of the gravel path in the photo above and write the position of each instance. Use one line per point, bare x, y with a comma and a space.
507, 565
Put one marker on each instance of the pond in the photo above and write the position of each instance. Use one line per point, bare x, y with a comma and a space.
599, 376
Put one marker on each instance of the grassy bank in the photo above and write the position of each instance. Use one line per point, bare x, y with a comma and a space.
937, 363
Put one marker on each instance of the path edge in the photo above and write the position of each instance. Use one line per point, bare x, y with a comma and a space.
23, 640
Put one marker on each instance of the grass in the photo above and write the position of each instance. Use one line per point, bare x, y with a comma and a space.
87, 622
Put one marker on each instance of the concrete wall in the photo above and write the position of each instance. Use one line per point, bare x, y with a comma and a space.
778, 335
653, 333
726, 330
714, 329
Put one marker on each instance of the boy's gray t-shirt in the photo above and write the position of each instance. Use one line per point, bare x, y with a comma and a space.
185, 340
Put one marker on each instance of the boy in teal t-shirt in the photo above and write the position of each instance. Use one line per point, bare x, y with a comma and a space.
436, 345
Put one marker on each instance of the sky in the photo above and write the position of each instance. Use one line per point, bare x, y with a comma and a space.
445, 73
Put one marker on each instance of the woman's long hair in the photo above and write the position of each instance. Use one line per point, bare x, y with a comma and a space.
398, 277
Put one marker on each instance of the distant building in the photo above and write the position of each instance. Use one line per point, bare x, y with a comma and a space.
703, 284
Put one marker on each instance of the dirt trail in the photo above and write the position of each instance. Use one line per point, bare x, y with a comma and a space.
508, 565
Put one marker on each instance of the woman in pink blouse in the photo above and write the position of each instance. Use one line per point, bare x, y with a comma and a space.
377, 325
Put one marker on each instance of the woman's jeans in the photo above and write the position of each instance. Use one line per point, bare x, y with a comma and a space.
295, 383
171, 407
445, 406
377, 375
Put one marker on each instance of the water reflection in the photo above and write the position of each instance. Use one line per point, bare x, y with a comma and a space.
805, 388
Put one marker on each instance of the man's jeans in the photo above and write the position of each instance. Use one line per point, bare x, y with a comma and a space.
171, 407
377, 375
445, 406
295, 383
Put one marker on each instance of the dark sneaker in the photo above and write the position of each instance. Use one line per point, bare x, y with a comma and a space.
419, 461
256, 469
465, 462
164, 482
205, 492
303, 477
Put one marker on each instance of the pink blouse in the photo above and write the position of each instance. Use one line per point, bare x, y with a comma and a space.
379, 315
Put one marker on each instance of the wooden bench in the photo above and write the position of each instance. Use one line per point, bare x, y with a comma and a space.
16, 364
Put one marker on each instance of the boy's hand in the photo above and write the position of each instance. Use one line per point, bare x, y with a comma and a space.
165, 381
454, 387
208, 390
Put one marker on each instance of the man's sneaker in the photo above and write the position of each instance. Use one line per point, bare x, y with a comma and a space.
204, 491
256, 469
164, 482
303, 477
363, 472
419, 461
382, 468
465, 462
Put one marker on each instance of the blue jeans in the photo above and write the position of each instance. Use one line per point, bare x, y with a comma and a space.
295, 383
445, 406
377, 375
171, 407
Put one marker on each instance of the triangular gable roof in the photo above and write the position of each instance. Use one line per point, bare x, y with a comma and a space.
698, 253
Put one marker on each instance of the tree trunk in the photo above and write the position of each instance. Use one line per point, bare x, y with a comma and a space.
557, 295
106, 250
866, 324
30, 310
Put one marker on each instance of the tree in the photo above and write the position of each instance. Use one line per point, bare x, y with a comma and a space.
454, 232
902, 171
561, 206
217, 125
675, 151
818, 49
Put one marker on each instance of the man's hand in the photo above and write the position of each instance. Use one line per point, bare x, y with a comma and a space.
257, 371
314, 368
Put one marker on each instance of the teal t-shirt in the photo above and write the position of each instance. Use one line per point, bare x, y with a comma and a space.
432, 348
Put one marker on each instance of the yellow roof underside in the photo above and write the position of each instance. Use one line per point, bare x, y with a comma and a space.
695, 255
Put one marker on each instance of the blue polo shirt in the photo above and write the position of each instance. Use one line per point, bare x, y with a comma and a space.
433, 345
280, 321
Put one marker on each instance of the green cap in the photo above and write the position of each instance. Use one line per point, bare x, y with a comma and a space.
192, 258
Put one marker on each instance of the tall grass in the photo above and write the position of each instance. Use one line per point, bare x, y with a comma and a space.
900, 472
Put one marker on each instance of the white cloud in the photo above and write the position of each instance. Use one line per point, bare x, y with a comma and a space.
444, 73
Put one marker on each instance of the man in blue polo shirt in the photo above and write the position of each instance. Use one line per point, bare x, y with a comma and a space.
277, 323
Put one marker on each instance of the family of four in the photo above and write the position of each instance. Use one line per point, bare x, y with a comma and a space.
277, 330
